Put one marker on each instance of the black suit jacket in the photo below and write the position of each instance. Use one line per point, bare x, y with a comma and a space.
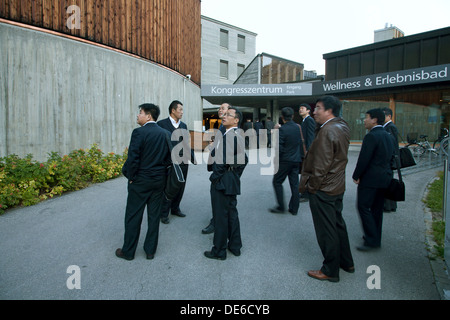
374, 162
290, 142
309, 131
392, 129
148, 153
167, 124
226, 174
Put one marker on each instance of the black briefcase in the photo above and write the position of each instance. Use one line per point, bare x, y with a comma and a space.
175, 177
406, 158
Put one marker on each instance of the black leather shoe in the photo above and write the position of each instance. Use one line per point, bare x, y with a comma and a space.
292, 212
165, 220
121, 255
349, 269
209, 229
210, 255
237, 253
150, 256
276, 210
366, 248
179, 213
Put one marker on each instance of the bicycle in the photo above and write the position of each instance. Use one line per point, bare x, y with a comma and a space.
419, 148
441, 143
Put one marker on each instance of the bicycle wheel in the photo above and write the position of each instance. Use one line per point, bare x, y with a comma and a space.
444, 146
419, 150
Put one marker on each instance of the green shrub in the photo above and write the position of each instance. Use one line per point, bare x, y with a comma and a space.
26, 182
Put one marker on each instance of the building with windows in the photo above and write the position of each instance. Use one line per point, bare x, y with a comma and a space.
226, 52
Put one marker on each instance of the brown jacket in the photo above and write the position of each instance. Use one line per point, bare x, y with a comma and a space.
326, 160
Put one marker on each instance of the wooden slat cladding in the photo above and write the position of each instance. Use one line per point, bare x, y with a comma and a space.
165, 31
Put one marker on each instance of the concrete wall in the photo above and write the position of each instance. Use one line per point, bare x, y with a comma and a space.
58, 94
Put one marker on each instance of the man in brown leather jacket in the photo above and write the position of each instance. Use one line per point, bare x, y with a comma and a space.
323, 177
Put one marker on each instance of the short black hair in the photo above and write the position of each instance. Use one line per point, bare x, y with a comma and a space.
238, 114
378, 114
174, 105
287, 113
152, 109
331, 102
387, 111
307, 106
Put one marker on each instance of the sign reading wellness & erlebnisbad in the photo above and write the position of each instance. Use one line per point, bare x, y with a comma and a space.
384, 80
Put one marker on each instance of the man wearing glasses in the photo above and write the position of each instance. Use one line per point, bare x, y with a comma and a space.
229, 164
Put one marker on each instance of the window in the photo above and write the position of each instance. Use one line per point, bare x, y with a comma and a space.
240, 69
224, 69
224, 38
241, 43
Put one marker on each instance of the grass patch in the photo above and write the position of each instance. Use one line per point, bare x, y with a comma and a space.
434, 201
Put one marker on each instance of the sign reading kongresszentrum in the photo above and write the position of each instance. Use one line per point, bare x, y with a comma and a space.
257, 90
385, 80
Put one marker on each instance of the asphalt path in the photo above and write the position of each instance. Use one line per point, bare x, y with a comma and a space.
39, 244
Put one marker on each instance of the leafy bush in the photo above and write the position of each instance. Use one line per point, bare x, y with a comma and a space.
26, 182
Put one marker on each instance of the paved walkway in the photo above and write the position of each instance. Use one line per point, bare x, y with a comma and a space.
83, 228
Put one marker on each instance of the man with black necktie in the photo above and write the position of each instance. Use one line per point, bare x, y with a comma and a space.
222, 110
145, 169
373, 174
171, 124
227, 169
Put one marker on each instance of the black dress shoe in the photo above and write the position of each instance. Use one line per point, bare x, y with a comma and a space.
292, 212
121, 255
209, 229
210, 255
237, 253
150, 256
366, 248
179, 213
276, 210
349, 269
165, 220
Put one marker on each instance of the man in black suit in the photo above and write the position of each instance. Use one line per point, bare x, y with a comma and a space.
257, 126
373, 174
145, 169
269, 127
222, 110
225, 180
290, 143
308, 128
172, 123
389, 126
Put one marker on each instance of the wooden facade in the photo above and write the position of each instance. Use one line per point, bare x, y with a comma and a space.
164, 31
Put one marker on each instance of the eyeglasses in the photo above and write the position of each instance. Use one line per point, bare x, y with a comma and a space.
229, 115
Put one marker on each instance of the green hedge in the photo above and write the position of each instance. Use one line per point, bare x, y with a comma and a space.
25, 182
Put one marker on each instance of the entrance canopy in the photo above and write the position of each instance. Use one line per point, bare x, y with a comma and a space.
288, 94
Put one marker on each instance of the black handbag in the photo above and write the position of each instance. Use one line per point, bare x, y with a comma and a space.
175, 177
406, 158
396, 189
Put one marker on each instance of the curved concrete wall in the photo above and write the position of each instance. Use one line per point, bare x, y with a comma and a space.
58, 94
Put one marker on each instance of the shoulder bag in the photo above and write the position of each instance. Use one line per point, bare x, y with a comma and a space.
396, 189
175, 178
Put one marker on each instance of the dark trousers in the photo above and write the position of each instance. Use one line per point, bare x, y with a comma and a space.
141, 193
290, 170
370, 208
331, 232
174, 205
227, 231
